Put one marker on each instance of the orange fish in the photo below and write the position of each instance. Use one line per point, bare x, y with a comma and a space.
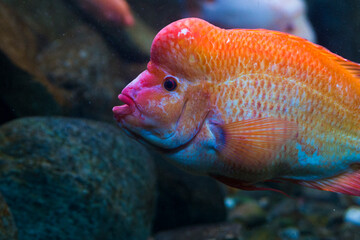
248, 106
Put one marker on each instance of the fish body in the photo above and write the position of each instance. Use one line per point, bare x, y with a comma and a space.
248, 106
280, 15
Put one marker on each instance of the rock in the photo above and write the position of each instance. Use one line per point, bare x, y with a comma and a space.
310, 194
66, 64
290, 233
248, 213
347, 231
356, 199
50, 20
131, 43
224, 231
352, 215
284, 221
24, 90
22, 95
230, 202
17, 40
185, 199
89, 75
8, 229
283, 208
336, 218
75, 179
261, 233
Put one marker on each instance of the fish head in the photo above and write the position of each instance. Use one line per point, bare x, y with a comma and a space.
166, 105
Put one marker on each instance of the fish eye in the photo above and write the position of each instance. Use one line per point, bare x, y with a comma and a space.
170, 83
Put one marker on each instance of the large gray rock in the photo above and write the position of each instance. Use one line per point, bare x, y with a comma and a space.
75, 179
8, 229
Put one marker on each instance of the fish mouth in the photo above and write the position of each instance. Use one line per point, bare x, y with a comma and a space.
127, 108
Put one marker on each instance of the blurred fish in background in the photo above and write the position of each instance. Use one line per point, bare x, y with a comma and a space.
116, 12
281, 15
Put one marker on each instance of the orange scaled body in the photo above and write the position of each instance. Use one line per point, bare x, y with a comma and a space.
250, 106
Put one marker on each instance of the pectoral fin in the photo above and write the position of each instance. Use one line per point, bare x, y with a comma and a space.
254, 143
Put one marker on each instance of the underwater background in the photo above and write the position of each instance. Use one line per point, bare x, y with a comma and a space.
68, 172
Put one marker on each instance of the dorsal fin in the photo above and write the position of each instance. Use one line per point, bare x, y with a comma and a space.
352, 67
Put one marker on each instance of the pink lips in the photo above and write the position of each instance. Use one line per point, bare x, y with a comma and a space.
123, 110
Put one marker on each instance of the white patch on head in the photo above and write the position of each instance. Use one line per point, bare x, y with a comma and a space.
183, 31
161, 105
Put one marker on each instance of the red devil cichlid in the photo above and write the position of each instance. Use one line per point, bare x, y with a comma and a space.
248, 106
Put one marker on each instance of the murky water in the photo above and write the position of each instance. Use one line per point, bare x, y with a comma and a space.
67, 171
